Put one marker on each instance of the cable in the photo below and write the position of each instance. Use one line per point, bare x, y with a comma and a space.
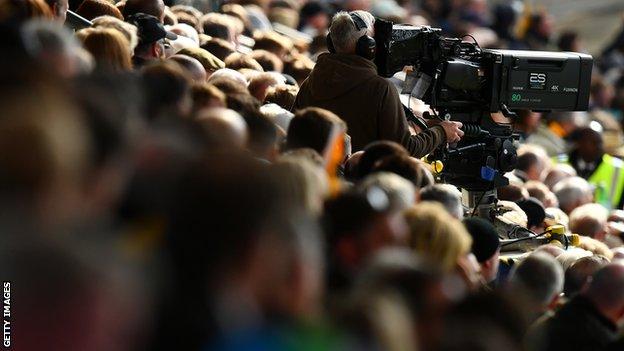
473, 38
474, 211
524, 239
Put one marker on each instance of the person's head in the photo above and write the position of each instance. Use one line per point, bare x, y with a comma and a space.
344, 31
535, 213
358, 226
445, 194
260, 84
313, 128
218, 25
219, 47
205, 96
91, 9
589, 144
557, 173
189, 20
305, 182
407, 167
435, 234
263, 136
59, 9
274, 43
569, 41
573, 192
540, 277
579, 274
541, 192
210, 62
192, 66
375, 152
185, 30
532, 161
299, 67
400, 191
223, 129
154, 8
269, 61
283, 95
485, 245
606, 291
237, 61
52, 45
109, 48
151, 35
129, 31
167, 90
589, 220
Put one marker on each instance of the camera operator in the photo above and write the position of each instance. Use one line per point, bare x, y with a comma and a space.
345, 82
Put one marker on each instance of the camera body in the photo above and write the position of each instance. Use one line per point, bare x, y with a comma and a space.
464, 83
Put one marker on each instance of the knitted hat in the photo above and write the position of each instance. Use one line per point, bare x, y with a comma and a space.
485, 240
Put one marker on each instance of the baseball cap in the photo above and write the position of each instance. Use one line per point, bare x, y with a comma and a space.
150, 29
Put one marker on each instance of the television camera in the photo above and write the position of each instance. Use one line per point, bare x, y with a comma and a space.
462, 82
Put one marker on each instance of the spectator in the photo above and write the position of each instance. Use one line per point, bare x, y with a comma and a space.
206, 96
151, 35
223, 129
485, 246
154, 8
600, 169
167, 90
401, 193
129, 31
109, 48
437, 236
314, 128
193, 67
589, 220
445, 194
573, 192
408, 168
589, 321
540, 278
59, 9
579, 274
91, 9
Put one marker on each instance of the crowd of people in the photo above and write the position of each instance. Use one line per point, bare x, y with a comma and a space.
194, 175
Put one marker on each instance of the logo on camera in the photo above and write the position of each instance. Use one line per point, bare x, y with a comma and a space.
537, 81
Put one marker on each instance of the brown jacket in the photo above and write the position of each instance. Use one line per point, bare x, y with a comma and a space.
348, 85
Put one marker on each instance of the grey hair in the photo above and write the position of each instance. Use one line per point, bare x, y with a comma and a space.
344, 34
400, 191
447, 195
570, 190
540, 276
41, 37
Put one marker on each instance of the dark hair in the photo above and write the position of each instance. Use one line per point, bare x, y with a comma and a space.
155, 8
407, 167
311, 127
262, 133
219, 47
91, 9
242, 103
376, 151
165, 84
229, 86
566, 40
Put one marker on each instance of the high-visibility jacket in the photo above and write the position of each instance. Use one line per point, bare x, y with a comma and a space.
608, 179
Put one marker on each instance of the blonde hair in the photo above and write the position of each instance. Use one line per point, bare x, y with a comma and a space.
128, 30
306, 182
109, 48
437, 235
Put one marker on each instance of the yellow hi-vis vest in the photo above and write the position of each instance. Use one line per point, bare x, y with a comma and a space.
607, 179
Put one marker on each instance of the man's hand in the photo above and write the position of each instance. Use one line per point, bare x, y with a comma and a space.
453, 133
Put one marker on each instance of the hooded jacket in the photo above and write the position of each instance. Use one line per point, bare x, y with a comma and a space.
348, 85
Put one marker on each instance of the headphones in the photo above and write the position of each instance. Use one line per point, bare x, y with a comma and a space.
365, 46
